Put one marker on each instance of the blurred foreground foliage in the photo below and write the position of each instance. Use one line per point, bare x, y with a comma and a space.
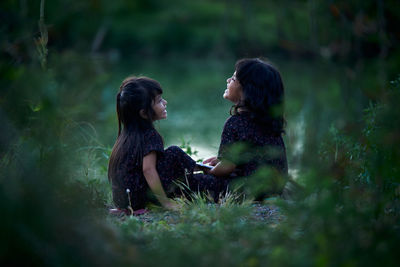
348, 212
56, 80
53, 194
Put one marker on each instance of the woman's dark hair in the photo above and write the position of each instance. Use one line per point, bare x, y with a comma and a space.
263, 93
136, 96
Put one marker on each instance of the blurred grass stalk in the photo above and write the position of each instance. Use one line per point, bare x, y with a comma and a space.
41, 42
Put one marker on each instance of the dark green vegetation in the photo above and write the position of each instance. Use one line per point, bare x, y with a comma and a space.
58, 78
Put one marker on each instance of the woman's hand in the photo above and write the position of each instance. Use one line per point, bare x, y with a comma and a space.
211, 161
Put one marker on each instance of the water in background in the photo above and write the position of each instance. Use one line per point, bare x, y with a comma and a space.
197, 110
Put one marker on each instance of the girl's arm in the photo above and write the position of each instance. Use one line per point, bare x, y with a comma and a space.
153, 180
223, 168
211, 161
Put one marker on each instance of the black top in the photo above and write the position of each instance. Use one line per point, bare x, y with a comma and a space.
131, 173
250, 146
172, 163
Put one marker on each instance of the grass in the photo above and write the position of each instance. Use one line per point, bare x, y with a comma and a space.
201, 233
231, 232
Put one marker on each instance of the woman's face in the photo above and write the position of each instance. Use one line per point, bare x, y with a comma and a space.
160, 108
233, 90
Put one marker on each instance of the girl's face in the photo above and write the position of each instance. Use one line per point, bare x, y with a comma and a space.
160, 108
233, 90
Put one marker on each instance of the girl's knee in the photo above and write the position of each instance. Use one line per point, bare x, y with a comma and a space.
174, 149
176, 155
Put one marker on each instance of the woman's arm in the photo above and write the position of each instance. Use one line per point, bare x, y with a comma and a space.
153, 180
223, 168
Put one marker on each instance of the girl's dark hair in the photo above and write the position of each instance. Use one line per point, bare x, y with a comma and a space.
136, 95
263, 93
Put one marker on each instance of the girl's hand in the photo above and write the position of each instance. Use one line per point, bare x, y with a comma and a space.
170, 205
211, 161
223, 168
206, 170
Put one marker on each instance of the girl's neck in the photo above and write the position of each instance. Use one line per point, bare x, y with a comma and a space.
238, 108
242, 109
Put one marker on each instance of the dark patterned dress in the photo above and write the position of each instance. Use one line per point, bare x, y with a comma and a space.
172, 163
246, 144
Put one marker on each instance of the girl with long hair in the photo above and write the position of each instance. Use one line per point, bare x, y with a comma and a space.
256, 123
138, 160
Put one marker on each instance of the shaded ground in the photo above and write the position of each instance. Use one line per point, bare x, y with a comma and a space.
267, 213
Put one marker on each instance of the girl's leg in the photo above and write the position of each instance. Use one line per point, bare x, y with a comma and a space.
174, 164
207, 183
